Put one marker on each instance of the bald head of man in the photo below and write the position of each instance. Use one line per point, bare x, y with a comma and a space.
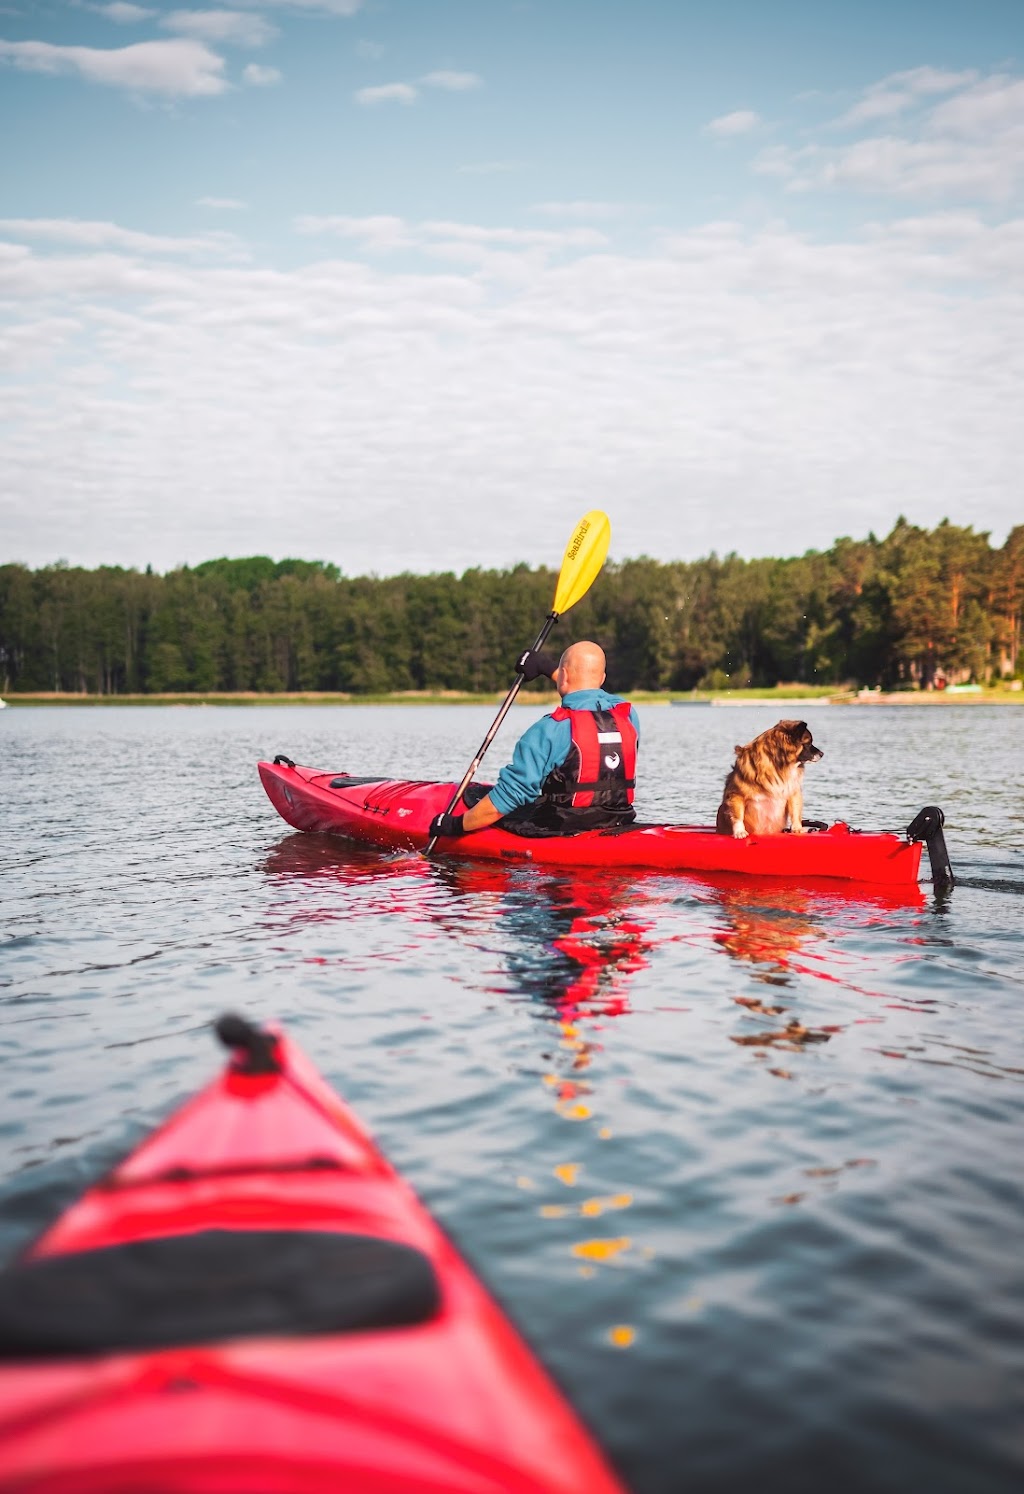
581, 667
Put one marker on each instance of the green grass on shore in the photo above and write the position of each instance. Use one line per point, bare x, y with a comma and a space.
1002, 695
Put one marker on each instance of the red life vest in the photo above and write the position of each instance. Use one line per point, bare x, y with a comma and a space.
599, 773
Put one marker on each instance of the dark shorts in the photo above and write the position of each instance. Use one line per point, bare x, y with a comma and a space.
542, 819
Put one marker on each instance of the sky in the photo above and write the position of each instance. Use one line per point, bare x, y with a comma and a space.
413, 284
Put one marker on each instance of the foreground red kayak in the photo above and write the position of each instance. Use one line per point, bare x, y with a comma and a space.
395, 814
255, 1301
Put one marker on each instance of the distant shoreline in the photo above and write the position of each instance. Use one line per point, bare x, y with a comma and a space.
793, 698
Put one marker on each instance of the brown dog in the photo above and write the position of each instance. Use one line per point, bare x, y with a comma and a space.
766, 784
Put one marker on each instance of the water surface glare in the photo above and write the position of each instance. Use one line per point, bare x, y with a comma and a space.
738, 1157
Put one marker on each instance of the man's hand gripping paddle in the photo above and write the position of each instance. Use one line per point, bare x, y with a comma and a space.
581, 564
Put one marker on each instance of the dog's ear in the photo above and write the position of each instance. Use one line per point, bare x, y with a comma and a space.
797, 730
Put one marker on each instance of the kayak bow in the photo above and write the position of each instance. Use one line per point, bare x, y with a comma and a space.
255, 1300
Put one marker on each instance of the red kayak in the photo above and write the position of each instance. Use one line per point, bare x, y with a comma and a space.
255, 1301
395, 814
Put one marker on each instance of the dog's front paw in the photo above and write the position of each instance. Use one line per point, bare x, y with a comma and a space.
798, 829
739, 830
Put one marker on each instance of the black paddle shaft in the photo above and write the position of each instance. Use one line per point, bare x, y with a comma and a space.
471, 771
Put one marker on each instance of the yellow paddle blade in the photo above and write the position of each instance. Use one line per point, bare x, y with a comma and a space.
583, 559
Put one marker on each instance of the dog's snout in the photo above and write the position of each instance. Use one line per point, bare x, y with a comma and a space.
810, 754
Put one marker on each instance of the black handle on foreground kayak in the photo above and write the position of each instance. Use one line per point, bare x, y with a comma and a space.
470, 772
256, 1047
927, 826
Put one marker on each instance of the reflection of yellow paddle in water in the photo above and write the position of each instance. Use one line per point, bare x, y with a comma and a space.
581, 564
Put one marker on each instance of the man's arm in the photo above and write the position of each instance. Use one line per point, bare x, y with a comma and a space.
539, 749
451, 826
481, 815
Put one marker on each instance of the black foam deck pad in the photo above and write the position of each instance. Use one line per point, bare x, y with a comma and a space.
210, 1286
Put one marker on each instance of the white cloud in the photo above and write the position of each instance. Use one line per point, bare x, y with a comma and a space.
387, 93
723, 389
123, 13
382, 233
234, 26
224, 204
728, 126
879, 103
453, 82
991, 107
408, 93
260, 77
969, 145
542, 238
901, 91
782, 161
446, 239
920, 168
83, 233
929, 80
177, 68
933, 227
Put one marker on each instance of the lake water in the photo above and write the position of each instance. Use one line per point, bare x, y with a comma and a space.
755, 1256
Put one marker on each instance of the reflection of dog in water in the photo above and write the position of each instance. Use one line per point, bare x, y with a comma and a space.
768, 927
766, 784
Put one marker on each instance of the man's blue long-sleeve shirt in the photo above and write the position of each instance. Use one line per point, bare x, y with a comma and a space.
543, 746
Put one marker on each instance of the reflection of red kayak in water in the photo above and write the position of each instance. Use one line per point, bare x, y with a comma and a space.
254, 1300
572, 943
602, 961
395, 814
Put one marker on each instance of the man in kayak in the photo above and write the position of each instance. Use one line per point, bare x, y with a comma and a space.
572, 770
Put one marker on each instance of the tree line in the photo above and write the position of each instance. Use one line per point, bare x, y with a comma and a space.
909, 609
